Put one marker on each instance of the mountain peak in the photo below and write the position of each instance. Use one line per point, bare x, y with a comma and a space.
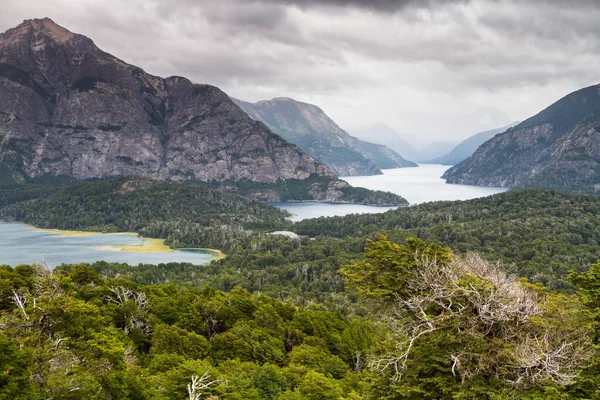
57, 85
282, 99
36, 31
558, 148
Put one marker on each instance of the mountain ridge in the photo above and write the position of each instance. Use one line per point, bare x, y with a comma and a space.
69, 108
558, 148
467, 147
309, 127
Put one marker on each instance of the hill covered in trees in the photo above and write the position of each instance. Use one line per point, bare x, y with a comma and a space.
76, 333
167, 210
537, 234
329, 315
540, 235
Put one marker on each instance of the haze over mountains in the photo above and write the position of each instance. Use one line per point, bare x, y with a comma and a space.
307, 126
69, 109
558, 148
404, 145
467, 147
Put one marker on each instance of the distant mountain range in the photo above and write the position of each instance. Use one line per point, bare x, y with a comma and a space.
307, 126
559, 148
382, 134
69, 109
434, 150
467, 147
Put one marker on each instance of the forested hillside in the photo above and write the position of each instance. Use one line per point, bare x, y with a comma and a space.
538, 234
74, 333
185, 215
424, 312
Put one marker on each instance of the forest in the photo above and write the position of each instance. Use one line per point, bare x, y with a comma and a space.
491, 298
474, 332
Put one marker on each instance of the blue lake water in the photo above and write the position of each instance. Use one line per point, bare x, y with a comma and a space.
22, 244
417, 185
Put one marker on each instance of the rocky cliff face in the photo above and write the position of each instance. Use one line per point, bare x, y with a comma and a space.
312, 130
558, 148
68, 108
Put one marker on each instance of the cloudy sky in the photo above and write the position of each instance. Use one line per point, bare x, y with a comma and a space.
434, 69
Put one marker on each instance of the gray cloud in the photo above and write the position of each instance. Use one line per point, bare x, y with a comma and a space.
375, 5
440, 68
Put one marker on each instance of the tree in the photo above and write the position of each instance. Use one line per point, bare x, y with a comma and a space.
501, 327
356, 342
199, 384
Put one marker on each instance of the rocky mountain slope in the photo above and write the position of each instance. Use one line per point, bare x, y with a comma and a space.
467, 147
68, 108
312, 130
558, 148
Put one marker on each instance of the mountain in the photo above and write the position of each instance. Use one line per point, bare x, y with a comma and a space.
558, 148
383, 156
68, 108
402, 144
467, 147
307, 126
384, 135
433, 150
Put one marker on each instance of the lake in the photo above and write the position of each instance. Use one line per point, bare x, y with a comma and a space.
417, 185
22, 244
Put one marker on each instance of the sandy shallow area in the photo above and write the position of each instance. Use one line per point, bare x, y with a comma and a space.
149, 245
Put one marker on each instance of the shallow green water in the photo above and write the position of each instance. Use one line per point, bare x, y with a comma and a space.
21, 244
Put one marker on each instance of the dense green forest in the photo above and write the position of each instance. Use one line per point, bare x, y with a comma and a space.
184, 214
74, 333
310, 189
537, 234
424, 312
295, 190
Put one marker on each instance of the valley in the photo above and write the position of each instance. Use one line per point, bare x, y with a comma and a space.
162, 239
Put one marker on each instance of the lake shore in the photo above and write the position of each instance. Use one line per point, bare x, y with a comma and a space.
67, 233
149, 245
218, 254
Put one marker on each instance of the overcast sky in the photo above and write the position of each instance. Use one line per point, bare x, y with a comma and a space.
435, 69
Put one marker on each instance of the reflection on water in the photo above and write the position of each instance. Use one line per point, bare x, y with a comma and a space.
302, 211
421, 185
22, 244
417, 185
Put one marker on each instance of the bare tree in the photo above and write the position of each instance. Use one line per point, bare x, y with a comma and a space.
19, 299
479, 300
121, 294
46, 284
199, 384
134, 320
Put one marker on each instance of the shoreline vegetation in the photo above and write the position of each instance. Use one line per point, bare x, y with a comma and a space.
218, 254
149, 245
